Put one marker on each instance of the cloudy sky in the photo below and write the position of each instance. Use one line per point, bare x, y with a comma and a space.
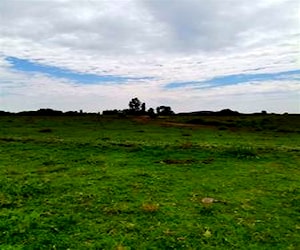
189, 54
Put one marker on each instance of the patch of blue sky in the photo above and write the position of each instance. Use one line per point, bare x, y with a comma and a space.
174, 85
237, 79
28, 66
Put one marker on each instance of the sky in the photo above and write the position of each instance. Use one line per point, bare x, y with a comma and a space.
192, 55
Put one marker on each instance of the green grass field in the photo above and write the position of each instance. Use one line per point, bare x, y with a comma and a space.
92, 182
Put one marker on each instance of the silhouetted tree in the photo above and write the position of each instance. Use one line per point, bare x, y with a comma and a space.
157, 110
143, 108
151, 113
164, 110
135, 105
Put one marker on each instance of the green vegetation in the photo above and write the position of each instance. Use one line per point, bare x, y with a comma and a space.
94, 182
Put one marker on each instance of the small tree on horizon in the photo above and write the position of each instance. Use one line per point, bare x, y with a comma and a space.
143, 107
135, 105
164, 110
151, 113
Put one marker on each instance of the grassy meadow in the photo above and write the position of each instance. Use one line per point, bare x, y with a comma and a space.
94, 182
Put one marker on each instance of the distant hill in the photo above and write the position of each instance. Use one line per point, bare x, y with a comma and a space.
222, 112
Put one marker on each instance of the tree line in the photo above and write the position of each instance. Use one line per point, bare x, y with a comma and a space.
136, 107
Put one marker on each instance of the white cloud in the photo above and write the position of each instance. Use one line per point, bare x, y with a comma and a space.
171, 41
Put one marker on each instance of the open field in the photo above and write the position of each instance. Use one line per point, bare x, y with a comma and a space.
92, 182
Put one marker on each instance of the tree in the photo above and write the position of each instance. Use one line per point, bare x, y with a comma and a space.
164, 110
151, 113
143, 107
135, 105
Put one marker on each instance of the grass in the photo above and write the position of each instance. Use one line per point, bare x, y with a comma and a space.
110, 183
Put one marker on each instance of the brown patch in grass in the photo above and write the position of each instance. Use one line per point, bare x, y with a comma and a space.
120, 247
208, 161
178, 124
142, 119
150, 207
186, 145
